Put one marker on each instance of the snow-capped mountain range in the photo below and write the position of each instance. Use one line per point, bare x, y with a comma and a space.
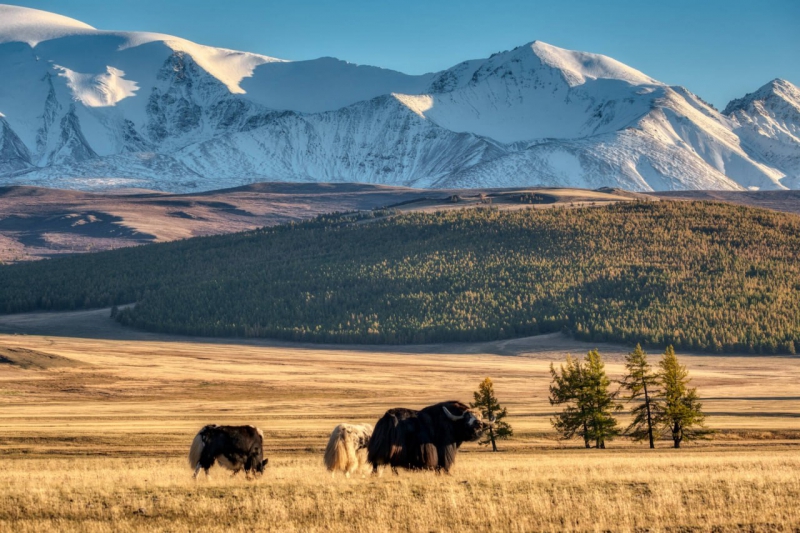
83, 108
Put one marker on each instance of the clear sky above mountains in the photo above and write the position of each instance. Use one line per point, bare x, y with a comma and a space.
719, 49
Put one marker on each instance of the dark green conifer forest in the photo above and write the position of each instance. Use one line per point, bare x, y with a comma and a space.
699, 276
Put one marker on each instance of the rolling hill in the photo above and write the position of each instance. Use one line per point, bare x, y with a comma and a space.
701, 276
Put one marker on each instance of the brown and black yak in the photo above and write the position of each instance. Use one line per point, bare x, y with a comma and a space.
233, 447
426, 439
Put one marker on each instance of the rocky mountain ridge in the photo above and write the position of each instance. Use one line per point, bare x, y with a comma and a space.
88, 109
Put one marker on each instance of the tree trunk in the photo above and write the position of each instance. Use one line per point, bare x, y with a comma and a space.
586, 435
649, 415
676, 435
491, 437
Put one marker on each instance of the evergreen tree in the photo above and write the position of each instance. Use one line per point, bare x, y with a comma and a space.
601, 402
682, 413
486, 401
641, 383
568, 388
583, 388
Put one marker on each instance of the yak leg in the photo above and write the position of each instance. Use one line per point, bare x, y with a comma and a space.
446, 458
207, 460
205, 463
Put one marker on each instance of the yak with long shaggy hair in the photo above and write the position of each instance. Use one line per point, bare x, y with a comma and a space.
427, 439
347, 448
236, 448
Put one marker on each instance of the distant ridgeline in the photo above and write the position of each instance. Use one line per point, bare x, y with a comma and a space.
700, 276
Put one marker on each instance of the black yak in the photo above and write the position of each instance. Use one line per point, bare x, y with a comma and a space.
234, 447
347, 448
426, 439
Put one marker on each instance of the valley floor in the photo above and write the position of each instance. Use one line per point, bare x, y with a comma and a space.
741, 489
94, 434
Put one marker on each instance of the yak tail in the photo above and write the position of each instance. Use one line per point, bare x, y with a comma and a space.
382, 443
196, 450
338, 455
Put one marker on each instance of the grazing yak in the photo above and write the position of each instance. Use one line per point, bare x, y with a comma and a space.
347, 448
426, 439
234, 447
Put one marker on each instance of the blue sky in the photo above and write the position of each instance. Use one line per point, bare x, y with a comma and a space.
718, 49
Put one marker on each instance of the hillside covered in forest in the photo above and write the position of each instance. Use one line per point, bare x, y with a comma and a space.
702, 276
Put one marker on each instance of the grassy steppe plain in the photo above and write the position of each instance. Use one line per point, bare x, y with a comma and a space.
101, 446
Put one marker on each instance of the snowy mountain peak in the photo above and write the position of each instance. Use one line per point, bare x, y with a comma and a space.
780, 85
535, 61
32, 26
768, 121
580, 66
78, 48
778, 88
536, 91
84, 108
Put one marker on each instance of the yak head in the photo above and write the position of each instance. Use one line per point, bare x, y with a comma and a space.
255, 464
468, 424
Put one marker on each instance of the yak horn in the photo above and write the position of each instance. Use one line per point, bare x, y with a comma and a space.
451, 416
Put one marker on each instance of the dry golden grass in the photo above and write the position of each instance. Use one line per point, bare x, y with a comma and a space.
87, 447
548, 491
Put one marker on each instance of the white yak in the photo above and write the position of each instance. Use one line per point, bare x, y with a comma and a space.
347, 448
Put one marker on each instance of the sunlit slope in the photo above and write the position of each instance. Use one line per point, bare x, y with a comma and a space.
701, 276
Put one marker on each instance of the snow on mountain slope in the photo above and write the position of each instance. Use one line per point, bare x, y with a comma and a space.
37, 28
101, 90
105, 79
768, 122
143, 170
32, 26
636, 160
325, 84
377, 141
681, 120
14, 156
86, 108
